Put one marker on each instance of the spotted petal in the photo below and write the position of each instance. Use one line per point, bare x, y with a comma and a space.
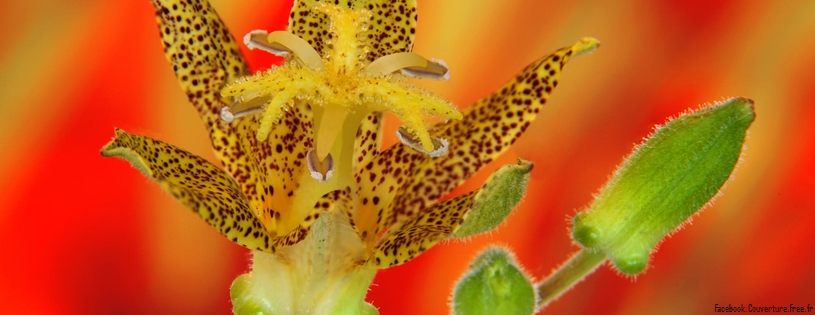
422, 231
391, 26
204, 57
202, 187
368, 140
474, 212
416, 181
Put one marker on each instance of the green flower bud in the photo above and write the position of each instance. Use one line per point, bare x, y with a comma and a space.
494, 285
243, 303
300, 279
667, 179
500, 194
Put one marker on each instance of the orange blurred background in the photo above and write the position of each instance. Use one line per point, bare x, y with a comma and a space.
81, 234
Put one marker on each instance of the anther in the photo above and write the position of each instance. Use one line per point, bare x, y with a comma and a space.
226, 115
320, 170
435, 69
410, 64
284, 44
240, 108
440, 146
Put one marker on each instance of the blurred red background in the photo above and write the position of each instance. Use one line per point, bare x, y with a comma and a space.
81, 234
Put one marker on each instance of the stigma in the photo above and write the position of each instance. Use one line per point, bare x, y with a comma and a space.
338, 84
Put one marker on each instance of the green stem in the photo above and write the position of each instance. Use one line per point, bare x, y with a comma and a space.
564, 278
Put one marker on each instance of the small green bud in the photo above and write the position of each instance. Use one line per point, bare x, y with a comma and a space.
586, 235
494, 285
665, 181
244, 303
500, 194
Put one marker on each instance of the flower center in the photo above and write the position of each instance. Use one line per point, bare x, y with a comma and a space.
340, 86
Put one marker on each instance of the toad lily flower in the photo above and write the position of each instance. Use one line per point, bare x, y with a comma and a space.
305, 185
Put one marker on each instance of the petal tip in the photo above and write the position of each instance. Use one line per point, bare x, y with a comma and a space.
585, 45
109, 149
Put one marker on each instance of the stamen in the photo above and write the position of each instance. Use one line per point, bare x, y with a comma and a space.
440, 146
226, 115
338, 86
240, 108
321, 171
411, 64
282, 44
436, 69
259, 39
410, 105
330, 126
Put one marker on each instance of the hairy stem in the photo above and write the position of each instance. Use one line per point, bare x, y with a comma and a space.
564, 278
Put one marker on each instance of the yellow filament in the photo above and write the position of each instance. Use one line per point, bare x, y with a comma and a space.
330, 126
394, 62
409, 61
297, 46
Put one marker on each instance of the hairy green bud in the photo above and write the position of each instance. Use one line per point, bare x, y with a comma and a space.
671, 176
494, 285
500, 194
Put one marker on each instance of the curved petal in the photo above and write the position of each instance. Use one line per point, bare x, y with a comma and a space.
392, 27
422, 231
414, 181
205, 58
196, 183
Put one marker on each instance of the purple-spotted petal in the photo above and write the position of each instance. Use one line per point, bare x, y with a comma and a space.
390, 30
400, 181
202, 187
